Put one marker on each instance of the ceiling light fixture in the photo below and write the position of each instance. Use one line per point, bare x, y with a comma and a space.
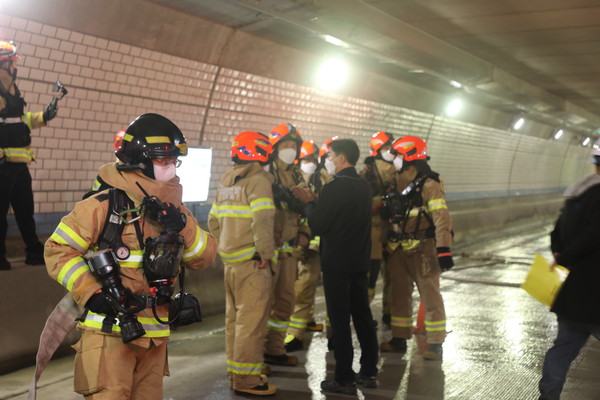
558, 134
518, 124
586, 141
332, 74
454, 107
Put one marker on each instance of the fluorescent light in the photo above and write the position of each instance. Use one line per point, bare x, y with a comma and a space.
558, 134
457, 85
335, 41
454, 107
519, 123
586, 141
332, 74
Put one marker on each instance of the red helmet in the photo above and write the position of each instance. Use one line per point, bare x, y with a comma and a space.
118, 139
325, 148
251, 146
378, 140
411, 147
8, 51
308, 148
285, 132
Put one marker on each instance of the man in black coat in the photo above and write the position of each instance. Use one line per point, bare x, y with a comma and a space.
342, 217
575, 243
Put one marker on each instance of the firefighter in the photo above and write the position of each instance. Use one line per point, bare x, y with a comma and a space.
309, 263
106, 366
15, 157
380, 173
419, 240
289, 239
242, 218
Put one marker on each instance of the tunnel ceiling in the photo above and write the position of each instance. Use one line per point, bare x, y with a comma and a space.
538, 57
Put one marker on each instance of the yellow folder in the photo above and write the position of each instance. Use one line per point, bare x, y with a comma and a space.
542, 283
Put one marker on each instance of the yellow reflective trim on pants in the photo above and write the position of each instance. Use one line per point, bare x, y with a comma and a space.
63, 234
152, 327
238, 256
402, 322
432, 326
244, 368
71, 271
198, 247
299, 323
281, 326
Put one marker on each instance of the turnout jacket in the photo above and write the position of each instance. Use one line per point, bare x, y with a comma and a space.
243, 214
576, 241
342, 217
15, 123
433, 203
79, 232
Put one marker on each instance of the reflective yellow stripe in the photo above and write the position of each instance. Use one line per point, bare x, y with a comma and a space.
18, 154
197, 248
299, 323
67, 236
135, 259
152, 327
264, 203
96, 185
432, 326
436, 204
414, 212
26, 118
238, 256
127, 137
409, 244
281, 326
231, 211
402, 322
71, 271
244, 368
158, 139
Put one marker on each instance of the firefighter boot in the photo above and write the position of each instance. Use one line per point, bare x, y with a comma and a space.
312, 326
35, 255
434, 352
292, 343
266, 389
396, 345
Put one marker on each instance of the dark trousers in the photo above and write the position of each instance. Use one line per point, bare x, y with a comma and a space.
15, 191
346, 295
571, 338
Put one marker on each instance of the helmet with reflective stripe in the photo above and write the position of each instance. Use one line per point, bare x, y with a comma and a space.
8, 51
325, 148
284, 132
151, 136
411, 147
378, 140
308, 148
251, 146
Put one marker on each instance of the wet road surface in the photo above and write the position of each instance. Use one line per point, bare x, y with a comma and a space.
496, 342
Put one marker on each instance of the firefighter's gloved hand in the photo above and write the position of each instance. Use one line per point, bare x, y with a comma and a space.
171, 219
445, 258
50, 110
98, 304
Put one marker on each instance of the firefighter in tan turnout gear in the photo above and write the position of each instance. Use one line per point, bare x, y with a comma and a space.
290, 237
242, 218
419, 240
128, 359
309, 263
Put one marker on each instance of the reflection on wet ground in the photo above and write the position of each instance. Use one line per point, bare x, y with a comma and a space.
497, 338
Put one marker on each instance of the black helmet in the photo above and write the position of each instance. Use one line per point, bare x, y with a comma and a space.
150, 136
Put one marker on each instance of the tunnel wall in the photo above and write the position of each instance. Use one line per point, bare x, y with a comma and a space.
120, 59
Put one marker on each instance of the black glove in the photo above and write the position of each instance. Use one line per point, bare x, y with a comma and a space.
445, 258
99, 304
50, 110
171, 219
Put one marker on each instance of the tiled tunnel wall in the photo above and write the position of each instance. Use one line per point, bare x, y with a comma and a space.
110, 83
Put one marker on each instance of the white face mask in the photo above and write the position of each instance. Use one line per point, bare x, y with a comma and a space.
387, 156
308, 167
164, 173
330, 166
266, 167
287, 155
398, 162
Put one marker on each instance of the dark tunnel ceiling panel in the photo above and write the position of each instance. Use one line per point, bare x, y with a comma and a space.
553, 45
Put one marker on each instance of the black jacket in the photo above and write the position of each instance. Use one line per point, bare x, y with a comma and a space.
342, 217
576, 239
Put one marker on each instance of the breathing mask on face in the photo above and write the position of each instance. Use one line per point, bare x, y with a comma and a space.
330, 166
287, 155
308, 167
387, 156
398, 162
164, 172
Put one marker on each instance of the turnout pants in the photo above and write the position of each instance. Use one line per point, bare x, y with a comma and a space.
284, 297
15, 181
417, 266
309, 273
108, 369
247, 300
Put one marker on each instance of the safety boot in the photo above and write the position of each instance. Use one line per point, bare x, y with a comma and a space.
293, 345
368, 382
334, 386
435, 352
4, 264
283, 359
312, 326
35, 255
396, 345
265, 389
